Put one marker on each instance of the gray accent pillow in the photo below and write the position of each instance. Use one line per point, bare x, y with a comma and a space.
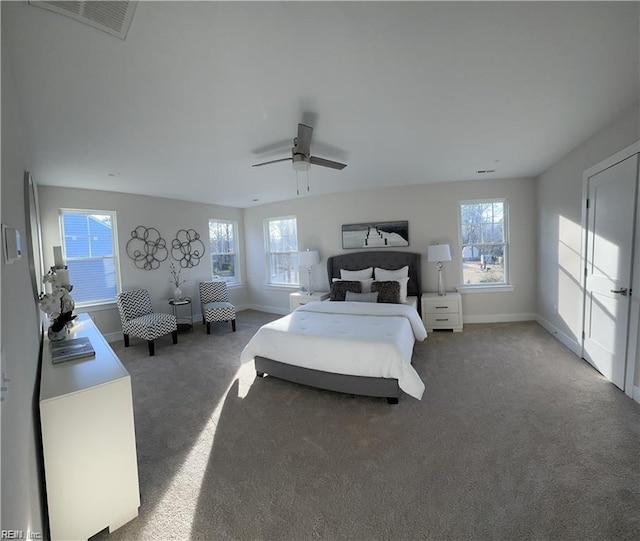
361, 297
339, 289
388, 292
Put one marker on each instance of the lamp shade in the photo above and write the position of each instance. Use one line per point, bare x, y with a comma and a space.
308, 258
438, 252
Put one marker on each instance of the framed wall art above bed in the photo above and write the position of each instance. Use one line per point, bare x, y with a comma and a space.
375, 235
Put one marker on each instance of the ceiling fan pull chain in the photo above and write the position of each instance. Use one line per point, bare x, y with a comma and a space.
307, 180
297, 184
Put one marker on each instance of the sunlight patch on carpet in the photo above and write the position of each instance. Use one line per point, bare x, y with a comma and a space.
177, 506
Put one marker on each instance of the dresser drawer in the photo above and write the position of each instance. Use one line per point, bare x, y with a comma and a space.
445, 320
441, 306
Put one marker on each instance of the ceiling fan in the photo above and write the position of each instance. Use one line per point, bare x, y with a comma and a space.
301, 154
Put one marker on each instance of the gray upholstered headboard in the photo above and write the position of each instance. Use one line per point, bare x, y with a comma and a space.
383, 260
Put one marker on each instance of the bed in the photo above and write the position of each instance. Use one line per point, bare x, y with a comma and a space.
351, 347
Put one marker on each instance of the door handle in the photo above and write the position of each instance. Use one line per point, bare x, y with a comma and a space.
622, 291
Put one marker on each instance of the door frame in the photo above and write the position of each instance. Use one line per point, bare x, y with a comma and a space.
633, 331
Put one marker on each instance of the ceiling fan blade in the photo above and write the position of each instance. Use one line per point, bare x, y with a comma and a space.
327, 163
304, 138
272, 161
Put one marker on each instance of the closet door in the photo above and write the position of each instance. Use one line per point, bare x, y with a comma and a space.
611, 218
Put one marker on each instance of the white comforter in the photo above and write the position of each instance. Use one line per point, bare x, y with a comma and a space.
354, 338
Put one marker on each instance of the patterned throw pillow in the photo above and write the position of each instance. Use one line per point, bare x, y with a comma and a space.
388, 292
339, 289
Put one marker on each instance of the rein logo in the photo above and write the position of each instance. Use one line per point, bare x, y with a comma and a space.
19, 534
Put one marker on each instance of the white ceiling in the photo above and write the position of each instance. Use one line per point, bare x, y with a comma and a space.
404, 93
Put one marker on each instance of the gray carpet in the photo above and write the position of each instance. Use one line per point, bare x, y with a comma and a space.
515, 438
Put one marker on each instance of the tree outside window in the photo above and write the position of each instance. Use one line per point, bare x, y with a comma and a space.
282, 250
483, 234
224, 251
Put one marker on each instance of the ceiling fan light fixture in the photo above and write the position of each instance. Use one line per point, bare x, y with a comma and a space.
300, 164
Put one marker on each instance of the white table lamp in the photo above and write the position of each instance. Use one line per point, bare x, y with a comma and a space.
308, 259
439, 253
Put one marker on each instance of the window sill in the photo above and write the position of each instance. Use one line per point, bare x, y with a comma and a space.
277, 287
235, 285
97, 307
486, 289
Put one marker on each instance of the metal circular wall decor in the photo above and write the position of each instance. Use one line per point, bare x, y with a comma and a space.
147, 248
187, 248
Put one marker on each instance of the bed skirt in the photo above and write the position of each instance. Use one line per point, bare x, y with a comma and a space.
342, 383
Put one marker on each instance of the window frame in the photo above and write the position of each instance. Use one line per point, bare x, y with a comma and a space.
269, 253
485, 286
237, 278
116, 252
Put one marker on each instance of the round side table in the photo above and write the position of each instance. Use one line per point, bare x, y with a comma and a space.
185, 321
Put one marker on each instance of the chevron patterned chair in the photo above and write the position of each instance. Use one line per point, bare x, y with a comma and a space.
139, 320
215, 305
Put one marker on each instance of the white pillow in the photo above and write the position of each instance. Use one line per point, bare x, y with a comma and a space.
383, 275
403, 289
357, 274
400, 275
366, 284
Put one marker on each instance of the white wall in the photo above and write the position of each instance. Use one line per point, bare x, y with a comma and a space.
559, 293
22, 503
432, 211
166, 215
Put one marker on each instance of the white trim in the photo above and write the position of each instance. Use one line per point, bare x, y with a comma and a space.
112, 336
503, 288
97, 307
267, 247
282, 287
634, 309
636, 394
499, 318
564, 338
236, 239
269, 309
622, 155
114, 241
506, 236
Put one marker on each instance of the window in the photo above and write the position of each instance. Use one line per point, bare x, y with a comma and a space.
282, 250
224, 250
89, 243
483, 238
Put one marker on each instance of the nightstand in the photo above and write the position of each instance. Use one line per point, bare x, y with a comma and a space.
300, 297
442, 311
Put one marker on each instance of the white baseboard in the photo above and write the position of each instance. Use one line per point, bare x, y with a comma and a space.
571, 343
636, 394
113, 336
269, 309
498, 318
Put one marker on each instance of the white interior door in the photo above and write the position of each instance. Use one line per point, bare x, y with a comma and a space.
610, 240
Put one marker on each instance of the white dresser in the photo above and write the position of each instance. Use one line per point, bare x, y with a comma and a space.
442, 311
88, 440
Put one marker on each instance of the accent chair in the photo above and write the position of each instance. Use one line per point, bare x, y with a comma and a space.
138, 319
215, 305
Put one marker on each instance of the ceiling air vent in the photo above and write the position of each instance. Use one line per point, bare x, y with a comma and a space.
111, 17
